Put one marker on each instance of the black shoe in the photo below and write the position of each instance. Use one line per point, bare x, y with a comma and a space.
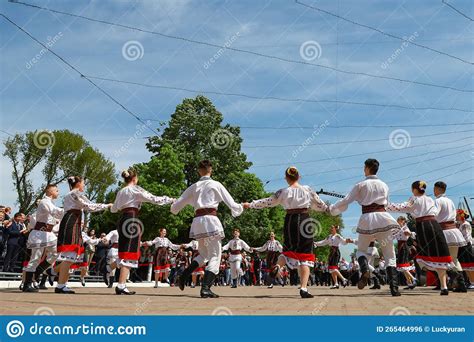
364, 278
21, 287
460, 290
83, 281
28, 285
29, 288
111, 282
207, 281
444, 292
305, 294
51, 276
124, 291
392, 275
376, 285
64, 290
42, 285
105, 278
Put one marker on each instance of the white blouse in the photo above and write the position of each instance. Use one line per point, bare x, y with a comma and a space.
399, 234
76, 200
132, 196
332, 240
163, 242
270, 245
194, 244
299, 197
48, 212
112, 237
417, 206
447, 209
87, 239
466, 230
236, 245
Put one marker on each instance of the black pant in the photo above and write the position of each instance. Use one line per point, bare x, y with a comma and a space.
11, 257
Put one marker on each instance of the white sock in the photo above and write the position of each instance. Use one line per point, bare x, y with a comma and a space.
60, 286
121, 286
304, 289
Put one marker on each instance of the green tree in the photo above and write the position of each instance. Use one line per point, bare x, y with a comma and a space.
58, 154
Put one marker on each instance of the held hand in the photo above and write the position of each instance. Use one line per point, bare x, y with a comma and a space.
109, 205
246, 205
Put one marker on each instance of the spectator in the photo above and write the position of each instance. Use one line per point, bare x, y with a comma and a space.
13, 233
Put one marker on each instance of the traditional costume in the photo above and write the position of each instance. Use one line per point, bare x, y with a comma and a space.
273, 249
112, 257
129, 200
374, 223
161, 259
205, 196
403, 250
466, 255
42, 241
194, 245
235, 247
334, 241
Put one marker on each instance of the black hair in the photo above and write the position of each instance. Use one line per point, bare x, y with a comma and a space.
17, 215
419, 185
372, 165
441, 185
205, 165
73, 181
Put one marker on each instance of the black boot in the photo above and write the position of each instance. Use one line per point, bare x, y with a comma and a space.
364, 270
42, 267
42, 285
457, 278
376, 285
207, 282
111, 282
392, 276
186, 274
28, 286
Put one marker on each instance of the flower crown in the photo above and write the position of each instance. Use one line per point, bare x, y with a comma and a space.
422, 185
125, 173
292, 171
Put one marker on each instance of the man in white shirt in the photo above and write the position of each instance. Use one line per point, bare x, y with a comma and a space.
205, 196
374, 223
235, 247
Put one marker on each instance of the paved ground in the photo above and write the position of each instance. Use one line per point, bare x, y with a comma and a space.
240, 301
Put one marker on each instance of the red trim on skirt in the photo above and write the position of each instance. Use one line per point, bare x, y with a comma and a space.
25, 263
78, 249
162, 267
83, 264
404, 265
333, 267
300, 256
129, 255
467, 264
441, 259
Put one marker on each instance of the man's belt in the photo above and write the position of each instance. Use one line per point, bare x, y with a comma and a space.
297, 211
205, 211
131, 210
425, 218
373, 208
448, 225
43, 227
114, 245
235, 252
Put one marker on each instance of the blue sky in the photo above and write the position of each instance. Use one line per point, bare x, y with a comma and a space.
46, 94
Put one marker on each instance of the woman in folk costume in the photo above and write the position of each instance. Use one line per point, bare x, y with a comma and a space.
273, 248
447, 220
70, 236
204, 196
466, 254
433, 252
128, 201
334, 241
403, 252
162, 265
298, 230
